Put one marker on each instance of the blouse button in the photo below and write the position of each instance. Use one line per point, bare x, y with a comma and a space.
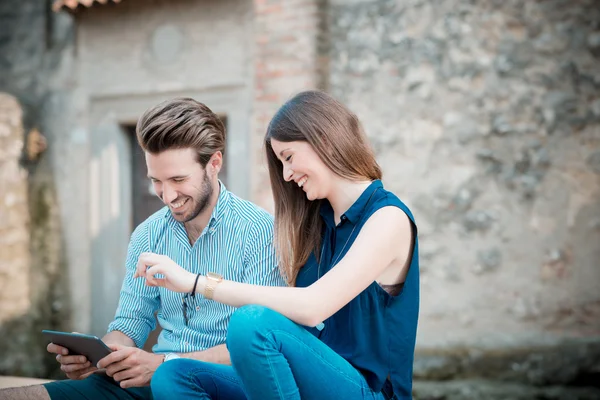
197, 308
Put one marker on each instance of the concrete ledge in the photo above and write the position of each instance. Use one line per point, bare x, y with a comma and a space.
13, 381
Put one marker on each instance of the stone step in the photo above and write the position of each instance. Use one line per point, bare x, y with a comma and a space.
572, 362
494, 390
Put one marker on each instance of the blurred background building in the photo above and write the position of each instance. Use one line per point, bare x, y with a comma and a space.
485, 116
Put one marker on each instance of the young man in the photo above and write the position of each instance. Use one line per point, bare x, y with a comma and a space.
203, 228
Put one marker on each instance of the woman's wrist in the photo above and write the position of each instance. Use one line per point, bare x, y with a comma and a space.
193, 292
201, 285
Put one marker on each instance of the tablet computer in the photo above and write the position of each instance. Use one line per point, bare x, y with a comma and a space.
89, 346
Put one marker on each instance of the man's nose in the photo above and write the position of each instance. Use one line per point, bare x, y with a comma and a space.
168, 194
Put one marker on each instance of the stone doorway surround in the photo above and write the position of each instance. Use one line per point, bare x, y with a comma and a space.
110, 192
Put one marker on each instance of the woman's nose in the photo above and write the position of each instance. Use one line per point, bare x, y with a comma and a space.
287, 174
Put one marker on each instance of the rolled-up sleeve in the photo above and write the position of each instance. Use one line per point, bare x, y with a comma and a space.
260, 260
137, 303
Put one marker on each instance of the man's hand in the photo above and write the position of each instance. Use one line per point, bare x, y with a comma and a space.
130, 366
175, 278
75, 367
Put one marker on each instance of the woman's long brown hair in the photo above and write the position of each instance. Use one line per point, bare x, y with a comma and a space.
337, 137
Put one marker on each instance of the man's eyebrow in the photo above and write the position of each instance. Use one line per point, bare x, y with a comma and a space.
171, 177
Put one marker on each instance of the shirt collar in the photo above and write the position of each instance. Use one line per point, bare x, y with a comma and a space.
221, 207
326, 212
355, 211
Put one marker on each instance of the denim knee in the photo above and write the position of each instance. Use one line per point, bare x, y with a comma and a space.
185, 378
165, 375
249, 323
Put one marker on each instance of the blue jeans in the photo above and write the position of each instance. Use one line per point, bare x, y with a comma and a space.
95, 387
273, 358
184, 378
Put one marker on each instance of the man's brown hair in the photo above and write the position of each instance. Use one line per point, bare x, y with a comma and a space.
181, 123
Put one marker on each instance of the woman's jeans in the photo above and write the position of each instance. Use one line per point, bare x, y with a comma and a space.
272, 357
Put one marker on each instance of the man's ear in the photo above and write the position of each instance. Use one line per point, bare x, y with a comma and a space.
216, 162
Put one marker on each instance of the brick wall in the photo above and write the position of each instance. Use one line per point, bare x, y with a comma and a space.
286, 61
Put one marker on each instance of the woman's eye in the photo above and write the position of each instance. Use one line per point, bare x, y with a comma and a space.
288, 158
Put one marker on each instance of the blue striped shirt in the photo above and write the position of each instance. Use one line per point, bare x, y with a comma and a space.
236, 243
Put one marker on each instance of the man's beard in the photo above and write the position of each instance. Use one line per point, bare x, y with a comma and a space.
201, 201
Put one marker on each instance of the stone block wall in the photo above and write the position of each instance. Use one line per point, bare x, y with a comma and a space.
485, 117
33, 290
15, 258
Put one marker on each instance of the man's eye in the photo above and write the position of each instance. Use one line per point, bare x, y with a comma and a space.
178, 180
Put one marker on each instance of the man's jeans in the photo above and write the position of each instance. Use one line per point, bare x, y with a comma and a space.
273, 358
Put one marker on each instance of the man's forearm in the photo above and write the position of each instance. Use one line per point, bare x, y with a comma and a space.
118, 337
217, 355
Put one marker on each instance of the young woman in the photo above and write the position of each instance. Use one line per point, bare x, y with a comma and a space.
345, 327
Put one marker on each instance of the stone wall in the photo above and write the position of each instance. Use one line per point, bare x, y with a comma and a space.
485, 117
34, 294
14, 214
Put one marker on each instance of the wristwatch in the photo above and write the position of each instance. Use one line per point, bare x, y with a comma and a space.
212, 280
171, 356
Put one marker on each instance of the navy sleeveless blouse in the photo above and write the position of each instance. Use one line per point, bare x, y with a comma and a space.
375, 332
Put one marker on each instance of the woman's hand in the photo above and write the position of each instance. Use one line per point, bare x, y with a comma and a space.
175, 278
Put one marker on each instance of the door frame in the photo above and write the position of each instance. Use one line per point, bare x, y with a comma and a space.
230, 101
